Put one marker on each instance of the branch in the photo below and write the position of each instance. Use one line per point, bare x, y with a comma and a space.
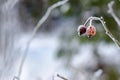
61, 77
97, 74
107, 31
40, 22
111, 12
104, 26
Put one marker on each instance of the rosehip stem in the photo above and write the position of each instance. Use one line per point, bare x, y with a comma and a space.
91, 22
91, 19
87, 20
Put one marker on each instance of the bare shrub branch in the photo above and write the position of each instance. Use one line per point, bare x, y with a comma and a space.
40, 22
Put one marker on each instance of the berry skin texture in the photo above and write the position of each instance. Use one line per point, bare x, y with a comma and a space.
81, 30
91, 31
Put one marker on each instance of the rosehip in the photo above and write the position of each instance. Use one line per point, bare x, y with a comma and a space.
81, 30
91, 31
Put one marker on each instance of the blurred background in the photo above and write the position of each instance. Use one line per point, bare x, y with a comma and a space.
57, 48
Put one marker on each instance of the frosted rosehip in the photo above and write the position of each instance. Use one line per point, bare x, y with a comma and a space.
91, 31
81, 30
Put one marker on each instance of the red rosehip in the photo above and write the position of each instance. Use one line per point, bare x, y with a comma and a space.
81, 30
91, 31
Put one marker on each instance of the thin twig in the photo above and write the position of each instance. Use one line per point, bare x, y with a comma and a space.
41, 21
110, 34
107, 31
111, 12
61, 77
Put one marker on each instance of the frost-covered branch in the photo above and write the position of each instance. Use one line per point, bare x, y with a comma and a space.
90, 19
40, 22
111, 12
107, 31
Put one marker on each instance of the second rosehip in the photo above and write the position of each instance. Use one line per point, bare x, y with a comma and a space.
81, 30
91, 31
